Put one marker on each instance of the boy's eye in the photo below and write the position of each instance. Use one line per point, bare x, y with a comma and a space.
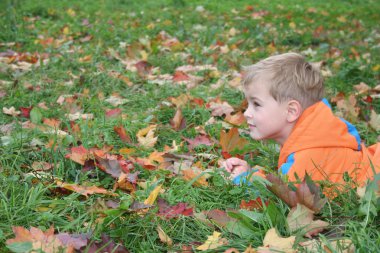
256, 104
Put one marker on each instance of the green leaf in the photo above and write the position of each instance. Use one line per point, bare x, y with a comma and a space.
35, 115
20, 247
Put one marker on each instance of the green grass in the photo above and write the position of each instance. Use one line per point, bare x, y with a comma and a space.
347, 27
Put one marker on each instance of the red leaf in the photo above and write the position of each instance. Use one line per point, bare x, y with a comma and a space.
143, 68
180, 76
120, 130
113, 113
253, 204
199, 140
173, 211
25, 111
78, 154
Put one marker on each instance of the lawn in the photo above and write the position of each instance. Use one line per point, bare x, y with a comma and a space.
116, 116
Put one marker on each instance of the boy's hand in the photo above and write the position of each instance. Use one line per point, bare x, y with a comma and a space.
235, 166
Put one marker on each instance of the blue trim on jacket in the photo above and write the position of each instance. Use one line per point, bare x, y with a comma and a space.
243, 177
285, 167
351, 128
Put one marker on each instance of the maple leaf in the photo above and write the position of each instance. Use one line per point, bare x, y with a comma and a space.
220, 109
301, 217
307, 193
277, 243
169, 212
146, 138
39, 240
178, 122
194, 174
113, 165
213, 241
84, 190
120, 130
199, 140
231, 140
78, 154
11, 111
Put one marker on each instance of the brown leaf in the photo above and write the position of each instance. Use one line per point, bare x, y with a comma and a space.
112, 164
307, 193
219, 217
178, 122
374, 121
220, 109
231, 140
301, 217
41, 166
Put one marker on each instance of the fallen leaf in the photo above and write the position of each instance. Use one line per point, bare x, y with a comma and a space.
178, 122
116, 100
276, 242
42, 166
231, 140
163, 236
146, 138
307, 193
301, 217
153, 195
113, 113
199, 140
213, 241
39, 240
78, 154
120, 130
113, 165
194, 173
79, 115
220, 109
169, 212
84, 190
220, 217
11, 111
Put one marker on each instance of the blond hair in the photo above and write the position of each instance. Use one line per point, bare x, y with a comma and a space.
290, 77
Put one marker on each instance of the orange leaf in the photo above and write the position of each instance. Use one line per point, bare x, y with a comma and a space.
190, 174
231, 140
236, 119
120, 130
78, 154
84, 190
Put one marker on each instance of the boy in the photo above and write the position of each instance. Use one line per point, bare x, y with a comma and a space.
285, 103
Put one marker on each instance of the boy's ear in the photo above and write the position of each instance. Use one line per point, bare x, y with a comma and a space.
294, 111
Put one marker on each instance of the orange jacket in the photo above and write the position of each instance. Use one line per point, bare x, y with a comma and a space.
325, 147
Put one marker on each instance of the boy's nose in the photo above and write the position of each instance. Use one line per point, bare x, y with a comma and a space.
248, 114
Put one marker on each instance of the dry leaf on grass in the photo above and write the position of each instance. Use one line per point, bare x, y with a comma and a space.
275, 242
213, 241
163, 236
301, 217
145, 136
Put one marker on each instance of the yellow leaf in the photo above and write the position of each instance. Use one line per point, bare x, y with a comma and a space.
163, 236
213, 242
376, 67
153, 196
292, 25
71, 12
146, 136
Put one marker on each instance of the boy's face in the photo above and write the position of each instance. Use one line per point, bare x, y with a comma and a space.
266, 118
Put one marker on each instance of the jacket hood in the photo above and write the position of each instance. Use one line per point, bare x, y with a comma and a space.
318, 127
